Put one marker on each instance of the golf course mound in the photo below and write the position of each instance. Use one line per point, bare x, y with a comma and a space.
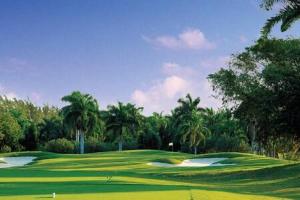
201, 162
126, 175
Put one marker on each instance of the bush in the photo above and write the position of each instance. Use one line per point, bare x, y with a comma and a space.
107, 147
5, 149
224, 143
60, 146
92, 145
149, 141
130, 145
30, 140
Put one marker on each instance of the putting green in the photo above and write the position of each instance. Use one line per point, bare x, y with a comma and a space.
126, 175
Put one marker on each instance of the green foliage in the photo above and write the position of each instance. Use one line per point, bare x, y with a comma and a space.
51, 128
154, 126
227, 132
82, 114
288, 14
92, 145
193, 130
123, 120
262, 84
61, 145
10, 133
30, 140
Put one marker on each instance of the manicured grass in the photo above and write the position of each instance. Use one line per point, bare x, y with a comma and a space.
168, 160
126, 175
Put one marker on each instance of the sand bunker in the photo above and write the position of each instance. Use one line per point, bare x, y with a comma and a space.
199, 162
15, 161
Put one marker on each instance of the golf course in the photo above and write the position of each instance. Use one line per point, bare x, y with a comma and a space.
126, 175
150, 100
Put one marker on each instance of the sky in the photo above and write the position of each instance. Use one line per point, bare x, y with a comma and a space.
149, 53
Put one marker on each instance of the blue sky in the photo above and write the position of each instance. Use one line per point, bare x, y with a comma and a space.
145, 52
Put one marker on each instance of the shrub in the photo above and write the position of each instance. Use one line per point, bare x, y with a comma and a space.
92, 145
130, 145
5, 149
149, 141
107, 147
224, 143
60, 146
30, 140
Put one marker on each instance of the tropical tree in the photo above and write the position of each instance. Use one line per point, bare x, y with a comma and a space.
194, 130
123, 119
182, 113
52, 128
154, 132
186, 106
81, 114
288, 14
10, 133
31, 137
262, 86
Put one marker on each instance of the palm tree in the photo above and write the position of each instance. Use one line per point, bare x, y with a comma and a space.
81, 114
123, 119
186, 106
288, 14
193, 130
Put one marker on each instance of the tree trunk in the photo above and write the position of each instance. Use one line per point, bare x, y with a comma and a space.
120, 142
81, 142
77, 136
195, 151
120, 145
252, 130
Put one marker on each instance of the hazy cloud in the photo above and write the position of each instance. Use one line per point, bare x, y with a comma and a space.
162, 95
7, 93
188, 39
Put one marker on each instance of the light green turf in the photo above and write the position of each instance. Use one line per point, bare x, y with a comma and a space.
126, 176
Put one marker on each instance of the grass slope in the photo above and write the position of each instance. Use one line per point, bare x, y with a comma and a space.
125, 175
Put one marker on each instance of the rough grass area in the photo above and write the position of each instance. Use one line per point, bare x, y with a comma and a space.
126, 175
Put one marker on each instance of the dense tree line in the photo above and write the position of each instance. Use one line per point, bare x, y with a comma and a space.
262, 86
81, 126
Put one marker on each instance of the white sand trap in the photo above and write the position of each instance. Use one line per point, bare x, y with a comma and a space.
199, 162
15, 161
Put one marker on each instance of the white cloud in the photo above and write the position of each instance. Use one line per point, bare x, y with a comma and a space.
35, 97
171, 68
178, 81
161, 95
189, 39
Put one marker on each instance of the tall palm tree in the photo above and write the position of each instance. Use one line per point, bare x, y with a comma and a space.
123, 119
81, 114
288, 14
186, 106
194, 130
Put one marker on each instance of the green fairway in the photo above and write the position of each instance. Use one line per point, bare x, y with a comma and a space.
126, 175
